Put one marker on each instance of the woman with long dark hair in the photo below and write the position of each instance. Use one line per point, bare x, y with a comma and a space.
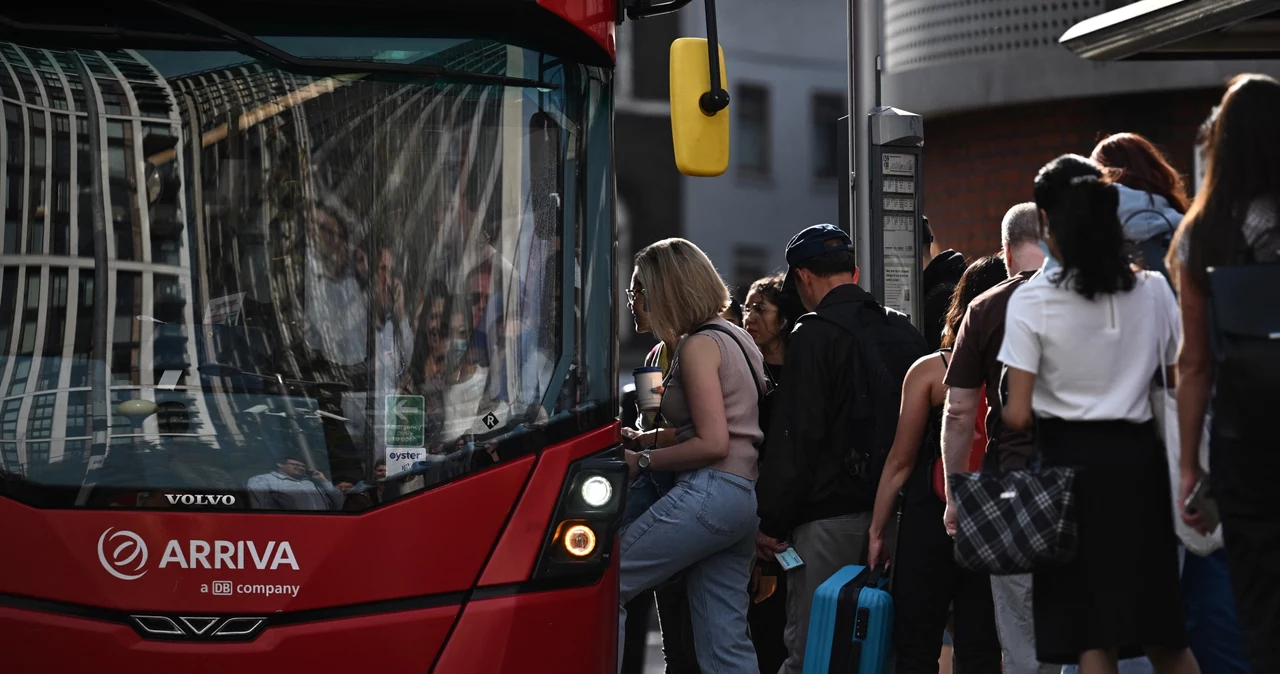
1083, 340
1153, 195
769, 315
927, 579
428, 371
1234, 222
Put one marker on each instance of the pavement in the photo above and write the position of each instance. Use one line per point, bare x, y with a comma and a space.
653, 655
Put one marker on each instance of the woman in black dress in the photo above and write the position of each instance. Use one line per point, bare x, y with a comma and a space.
1083, 341
927, 580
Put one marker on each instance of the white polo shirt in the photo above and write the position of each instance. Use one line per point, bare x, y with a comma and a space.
1094, 360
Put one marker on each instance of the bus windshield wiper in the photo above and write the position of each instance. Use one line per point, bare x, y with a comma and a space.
230, 38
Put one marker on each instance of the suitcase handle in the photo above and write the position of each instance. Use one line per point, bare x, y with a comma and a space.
873, 580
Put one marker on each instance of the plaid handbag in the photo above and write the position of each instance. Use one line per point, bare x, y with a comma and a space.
1015, 522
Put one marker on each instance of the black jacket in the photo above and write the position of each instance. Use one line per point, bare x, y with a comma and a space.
804, 477
938, 282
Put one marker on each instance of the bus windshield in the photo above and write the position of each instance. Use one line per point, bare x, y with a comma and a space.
278, 291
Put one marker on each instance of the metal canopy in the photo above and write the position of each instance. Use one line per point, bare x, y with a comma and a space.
1180, 29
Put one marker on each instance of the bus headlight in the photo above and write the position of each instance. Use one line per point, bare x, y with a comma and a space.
580, 540
596, 491
582, 534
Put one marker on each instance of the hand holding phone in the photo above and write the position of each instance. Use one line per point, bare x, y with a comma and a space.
1200, 502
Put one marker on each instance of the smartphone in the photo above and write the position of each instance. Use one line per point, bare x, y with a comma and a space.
1201, 501
789, 559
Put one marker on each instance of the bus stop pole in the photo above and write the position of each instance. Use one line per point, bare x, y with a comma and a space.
864, 47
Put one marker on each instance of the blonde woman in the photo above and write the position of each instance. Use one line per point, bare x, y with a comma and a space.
705, 526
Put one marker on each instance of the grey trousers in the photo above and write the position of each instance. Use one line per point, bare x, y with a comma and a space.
826, 546
1016, 625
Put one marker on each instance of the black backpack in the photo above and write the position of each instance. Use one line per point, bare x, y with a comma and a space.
886, 345
1245, 338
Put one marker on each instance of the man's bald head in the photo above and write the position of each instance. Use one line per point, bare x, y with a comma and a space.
1020, 238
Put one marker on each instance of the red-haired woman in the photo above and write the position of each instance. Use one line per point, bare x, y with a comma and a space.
1153, 195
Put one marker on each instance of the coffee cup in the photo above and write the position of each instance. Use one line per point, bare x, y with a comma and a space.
647, 379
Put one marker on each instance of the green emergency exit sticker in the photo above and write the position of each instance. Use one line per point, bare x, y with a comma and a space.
406, 417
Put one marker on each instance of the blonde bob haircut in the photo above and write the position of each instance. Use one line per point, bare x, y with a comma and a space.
682, 289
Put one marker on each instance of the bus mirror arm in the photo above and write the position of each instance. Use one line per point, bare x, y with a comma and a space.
717, 98
644, 9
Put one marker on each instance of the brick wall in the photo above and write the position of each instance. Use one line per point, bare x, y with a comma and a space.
979, 164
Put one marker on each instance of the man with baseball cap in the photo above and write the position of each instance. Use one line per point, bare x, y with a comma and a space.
818, 485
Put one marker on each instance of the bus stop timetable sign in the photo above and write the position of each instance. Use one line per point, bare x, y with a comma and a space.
898, 218
406, 417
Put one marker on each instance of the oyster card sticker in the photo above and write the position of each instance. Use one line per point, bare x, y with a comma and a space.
400, 460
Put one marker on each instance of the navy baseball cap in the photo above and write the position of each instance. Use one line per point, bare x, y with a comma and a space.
811, 243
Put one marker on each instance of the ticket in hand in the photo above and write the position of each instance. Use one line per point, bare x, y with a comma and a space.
789, 559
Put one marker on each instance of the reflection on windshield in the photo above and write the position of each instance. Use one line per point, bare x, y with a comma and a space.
323, 293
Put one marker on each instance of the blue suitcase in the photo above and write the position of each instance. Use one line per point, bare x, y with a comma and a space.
851, 624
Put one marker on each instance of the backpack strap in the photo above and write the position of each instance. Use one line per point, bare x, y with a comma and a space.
863, 353
750, 368
853, 327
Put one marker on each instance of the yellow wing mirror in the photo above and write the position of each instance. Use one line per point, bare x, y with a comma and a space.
699, 108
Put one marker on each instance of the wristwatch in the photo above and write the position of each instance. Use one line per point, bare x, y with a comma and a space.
642, 462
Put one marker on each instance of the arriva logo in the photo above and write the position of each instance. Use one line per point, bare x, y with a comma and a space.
126, 551
124, 554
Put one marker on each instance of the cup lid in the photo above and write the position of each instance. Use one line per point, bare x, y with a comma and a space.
645, 370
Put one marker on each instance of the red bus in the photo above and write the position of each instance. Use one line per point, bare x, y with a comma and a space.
308, 338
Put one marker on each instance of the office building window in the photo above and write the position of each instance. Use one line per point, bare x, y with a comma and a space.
40, 420
9, 451
37, 454
827, 110
752, 129
9, 418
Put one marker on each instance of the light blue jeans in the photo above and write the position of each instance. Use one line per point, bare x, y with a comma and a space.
706, 526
